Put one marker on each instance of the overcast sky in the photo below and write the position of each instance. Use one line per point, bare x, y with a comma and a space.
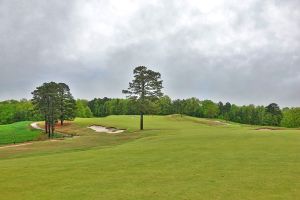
229, 50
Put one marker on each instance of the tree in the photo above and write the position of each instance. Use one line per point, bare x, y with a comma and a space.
97, 106
221, 109
144, 88
234, 113
82, 109
226, 110
46, 101
291, 118
192, 107
260, 114
165, 105
274, 109
210, 109
67, 104
273, 115
132, 107
178, 107
53, 101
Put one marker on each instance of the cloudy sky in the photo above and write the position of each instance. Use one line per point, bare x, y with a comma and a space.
229, 50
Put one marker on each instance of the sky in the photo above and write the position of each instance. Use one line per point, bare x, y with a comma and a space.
244, 52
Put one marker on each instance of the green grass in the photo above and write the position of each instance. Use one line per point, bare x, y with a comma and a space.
174, 158
17, 132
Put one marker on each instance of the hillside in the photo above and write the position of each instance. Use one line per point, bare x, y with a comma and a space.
17, 132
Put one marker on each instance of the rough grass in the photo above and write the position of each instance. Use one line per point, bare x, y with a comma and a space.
174, 158
17, 132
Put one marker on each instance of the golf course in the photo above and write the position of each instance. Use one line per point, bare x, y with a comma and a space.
149, 100
175, 157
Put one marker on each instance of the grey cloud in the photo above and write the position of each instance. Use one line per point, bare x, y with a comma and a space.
239, 53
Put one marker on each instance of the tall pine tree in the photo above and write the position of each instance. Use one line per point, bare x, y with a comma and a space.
144, 88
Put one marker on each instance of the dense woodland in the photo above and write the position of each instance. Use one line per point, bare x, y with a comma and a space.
13, 111
23, 110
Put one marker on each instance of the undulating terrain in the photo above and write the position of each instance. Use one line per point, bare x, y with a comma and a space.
174, 158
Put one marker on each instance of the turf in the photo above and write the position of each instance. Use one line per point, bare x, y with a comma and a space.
17, 132
174, 158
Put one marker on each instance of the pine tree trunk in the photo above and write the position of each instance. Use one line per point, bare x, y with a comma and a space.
46, 130
52, 130
61, 122
52, 124
49, 131
142, 121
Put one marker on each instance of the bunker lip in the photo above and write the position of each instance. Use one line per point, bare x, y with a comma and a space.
221, 123
35, 125
15, 145
103, 129
268, 129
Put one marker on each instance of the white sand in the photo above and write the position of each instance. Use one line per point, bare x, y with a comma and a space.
102, 129
35, 126
222, 123
267, 129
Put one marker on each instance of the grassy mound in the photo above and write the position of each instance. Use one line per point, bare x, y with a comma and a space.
174, 158
17, 132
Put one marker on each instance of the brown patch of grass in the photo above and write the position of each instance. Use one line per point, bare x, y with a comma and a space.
208, 122
268, 129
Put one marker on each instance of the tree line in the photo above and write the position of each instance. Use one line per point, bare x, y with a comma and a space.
270, 115
53, 102
13, 111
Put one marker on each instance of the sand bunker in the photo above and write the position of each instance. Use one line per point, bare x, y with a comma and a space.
35, 126
222, 123
268, 129
102, 129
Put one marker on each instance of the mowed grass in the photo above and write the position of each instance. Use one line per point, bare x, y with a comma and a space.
17, 132
174, 158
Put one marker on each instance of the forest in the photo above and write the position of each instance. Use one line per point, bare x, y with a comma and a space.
272, 115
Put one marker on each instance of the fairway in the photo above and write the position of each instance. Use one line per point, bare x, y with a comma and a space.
173, 158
